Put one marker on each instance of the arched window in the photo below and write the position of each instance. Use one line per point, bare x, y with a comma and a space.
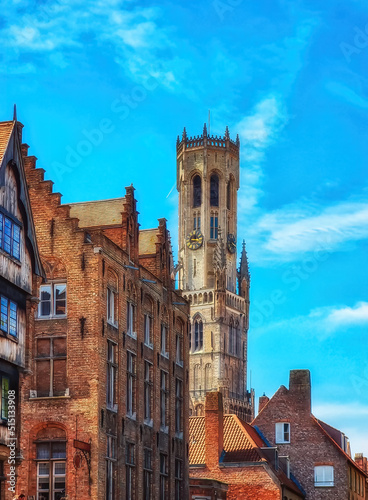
214, 190
231, 338
228, 195
197, 191
198, 335
207, 377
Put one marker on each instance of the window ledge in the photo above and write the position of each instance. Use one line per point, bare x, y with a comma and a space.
113, 408
324, 485
164, 428
38, 398
43, 318
11, 257
114, 325
132, 416
148, 422
180, 363
132, 335
9, 336
179, 435
165, 355
150, 346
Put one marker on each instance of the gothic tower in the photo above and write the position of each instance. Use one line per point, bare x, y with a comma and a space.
208, 181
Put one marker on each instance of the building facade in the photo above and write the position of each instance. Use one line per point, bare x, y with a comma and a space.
223, 448
218, 294
19, 266
105, 397
319, 454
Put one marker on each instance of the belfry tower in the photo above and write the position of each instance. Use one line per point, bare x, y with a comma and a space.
208, 181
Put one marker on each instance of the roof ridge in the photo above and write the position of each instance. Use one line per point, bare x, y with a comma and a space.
7, 140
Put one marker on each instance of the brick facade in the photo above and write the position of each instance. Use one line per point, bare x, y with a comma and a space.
309, 443
93, 424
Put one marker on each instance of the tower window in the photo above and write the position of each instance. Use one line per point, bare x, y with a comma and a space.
197, 191
228, 195
196, 220
214, 191
214, 227
198, 335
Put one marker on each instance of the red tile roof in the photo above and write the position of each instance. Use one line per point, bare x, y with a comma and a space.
241, 441
6, 129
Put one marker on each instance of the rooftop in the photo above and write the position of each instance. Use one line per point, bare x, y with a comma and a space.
98, 213
147, 241
6, 129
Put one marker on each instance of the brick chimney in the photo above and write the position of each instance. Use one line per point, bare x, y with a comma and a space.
214, 429
361, 461
263, 400
300, 389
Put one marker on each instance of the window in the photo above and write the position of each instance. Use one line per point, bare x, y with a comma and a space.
163, 477
197, 191
111, 377
131, 320
179, 350
52, 300
164, 394
282, 432
4, 396
111, 305
214, 190
178, 479
51, 366
228, 195
178, 406
197, 221
231, 338
198, 335
147, 474
51, 467
130, 395
164, 340
130, 470
148, 323
110, 467
8, 322
324, 475
9, 236
148, 383
214, 226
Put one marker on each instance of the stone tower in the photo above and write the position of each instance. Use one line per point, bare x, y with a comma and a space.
208, 181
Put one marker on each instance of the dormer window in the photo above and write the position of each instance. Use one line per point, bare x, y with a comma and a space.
9, 236
282, 432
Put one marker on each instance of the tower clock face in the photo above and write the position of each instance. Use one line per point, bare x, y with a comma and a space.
231, 243
194, 239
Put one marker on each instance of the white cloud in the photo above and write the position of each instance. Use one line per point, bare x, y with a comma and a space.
348, 316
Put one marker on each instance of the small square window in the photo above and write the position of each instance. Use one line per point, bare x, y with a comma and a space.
323, 476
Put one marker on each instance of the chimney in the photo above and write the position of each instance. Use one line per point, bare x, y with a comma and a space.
361, 462
214, 429
300, 388
263, 400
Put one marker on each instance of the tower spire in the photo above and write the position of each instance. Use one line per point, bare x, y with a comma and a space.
15, 113
244, 267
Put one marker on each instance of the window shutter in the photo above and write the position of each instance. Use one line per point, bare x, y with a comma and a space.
279, 427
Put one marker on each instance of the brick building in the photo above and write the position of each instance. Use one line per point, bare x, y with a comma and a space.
19, 265
218, 293
361, 460
226, 449
319, 454
105, 399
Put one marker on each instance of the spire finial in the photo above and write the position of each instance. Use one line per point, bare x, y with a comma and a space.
177, 141
237, 140
204, 130
227, 134
15, 113
184, 134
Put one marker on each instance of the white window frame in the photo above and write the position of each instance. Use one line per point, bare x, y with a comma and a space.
327, 475
282, 434
52, 314
51, 476
178, 350
110, 306
130, 319
148, 327
164, 330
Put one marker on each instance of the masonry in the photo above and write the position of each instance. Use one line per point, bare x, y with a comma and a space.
105, 392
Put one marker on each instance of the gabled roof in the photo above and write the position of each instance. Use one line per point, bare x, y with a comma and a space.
241, 442
147, 241
6, 129
102, 213
324, 429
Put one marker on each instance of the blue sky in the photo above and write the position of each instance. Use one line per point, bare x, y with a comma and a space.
103, 89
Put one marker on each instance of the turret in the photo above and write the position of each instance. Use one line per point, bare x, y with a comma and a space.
243, 273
